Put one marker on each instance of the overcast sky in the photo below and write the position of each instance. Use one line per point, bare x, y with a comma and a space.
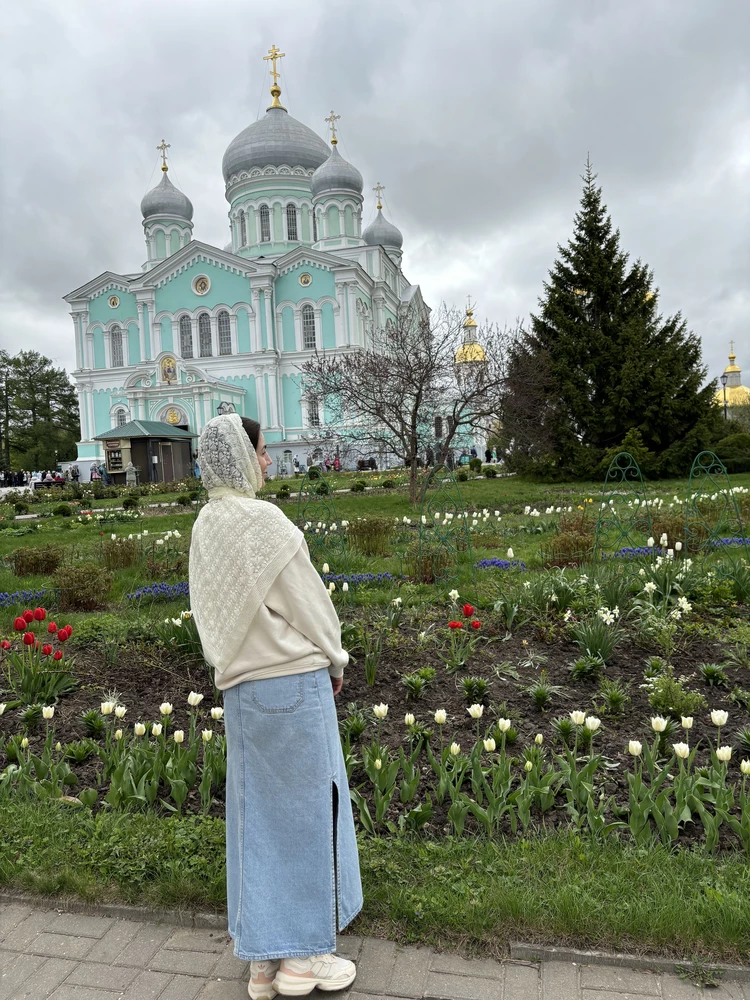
476, 116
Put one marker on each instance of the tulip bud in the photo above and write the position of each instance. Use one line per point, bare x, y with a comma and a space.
165, 708
455, 749
378, 764
476, 711
745, 766
380, 711
107, 707
528, 766
577, 718
678, 546
489, 745
441, 716
634, 748
724, 753
120, 711
216, 712
139, 729
194, 699
345, 587
687, 722
682, 750
331, 587
178, 736
658, 724
207, 735
592, 723
48, 711
510, 553
58, 746
24, 742
650, 543
719, 717
3, 706
118, 734
503, 725
326, 568
156, 729
408, 719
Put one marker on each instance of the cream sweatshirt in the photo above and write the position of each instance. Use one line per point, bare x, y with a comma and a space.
295, 630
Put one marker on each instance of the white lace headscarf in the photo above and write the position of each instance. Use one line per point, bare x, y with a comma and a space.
239, 544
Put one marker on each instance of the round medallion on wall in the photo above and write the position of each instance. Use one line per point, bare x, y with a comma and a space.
201, 284
173, 416
305, 279
113, 302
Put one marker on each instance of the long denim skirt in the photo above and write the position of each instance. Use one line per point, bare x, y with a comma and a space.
292, 860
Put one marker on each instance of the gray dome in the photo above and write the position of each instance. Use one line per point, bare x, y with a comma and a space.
382, 233
336, 173
274, 139
165, 199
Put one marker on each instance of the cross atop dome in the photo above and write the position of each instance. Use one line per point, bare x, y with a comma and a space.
163, 147
379, 189
332, 119
273, 55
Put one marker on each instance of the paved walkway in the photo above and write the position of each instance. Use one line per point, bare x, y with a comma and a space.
71, 956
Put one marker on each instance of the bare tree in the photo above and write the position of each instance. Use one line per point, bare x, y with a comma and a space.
384, 397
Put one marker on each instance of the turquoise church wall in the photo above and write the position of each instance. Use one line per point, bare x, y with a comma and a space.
334, 228
262, 311
250, 399
134, 346
226, 289
166, 334
161, 244
288, 289
287, 328
328, 326
99, 311
102, 404
243, 331
349, 221
290, 394
98, 336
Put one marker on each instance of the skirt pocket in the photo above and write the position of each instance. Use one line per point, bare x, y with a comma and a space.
278, 694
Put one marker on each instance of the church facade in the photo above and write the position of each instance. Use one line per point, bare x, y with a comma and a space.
200, 329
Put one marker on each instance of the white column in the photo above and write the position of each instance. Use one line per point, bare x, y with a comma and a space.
152, 329
83, 413
272, 399
342, 225
318, 327
298, 329
89, 348
255, 322
176, 345
77, 334
141, 331
233, 332
260, 395
270, 334
196, 339
214, 335
107, 349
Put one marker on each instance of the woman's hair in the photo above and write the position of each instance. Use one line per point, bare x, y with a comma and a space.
252, 429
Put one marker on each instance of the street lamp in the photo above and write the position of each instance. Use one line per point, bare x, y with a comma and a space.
724, 380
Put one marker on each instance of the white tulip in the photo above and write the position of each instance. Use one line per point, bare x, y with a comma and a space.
156, 729
455, 749
634, 748
2, 707
24, 742
577, 718
745, 766
217, 713
441, 716
503, 725
120, 711
664, 540
345, 587
719, 717
528, 766
476, 711
650, 543
489, 745
380, 711
378, 764
58, 746
194, 699
326, 568
539, 739
113, 537
48, 711
176, 534
687, 722
165, 708
658, 724
682, 750
178, 736
107, 707
207, 735
724, 753
592, 723
510, 553
678, 546
331, 587
408, 719
139, 729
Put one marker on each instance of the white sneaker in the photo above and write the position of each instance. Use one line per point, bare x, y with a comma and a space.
262, 976
299, 976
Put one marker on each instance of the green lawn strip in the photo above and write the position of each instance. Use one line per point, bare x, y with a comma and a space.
476, 895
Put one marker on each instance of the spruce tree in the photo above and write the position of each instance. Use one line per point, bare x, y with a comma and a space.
609, 361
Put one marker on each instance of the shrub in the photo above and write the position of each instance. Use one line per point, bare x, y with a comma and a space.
388, 484
313, 472
371, 535
82, 588
27, 561
323, 489
184, 500
130, 503
490, 471
734, 451
282, 493
428, 565
462, 476
475, 464
194, 494
357, 486
20, 507
120, 553
566, 550
62, 510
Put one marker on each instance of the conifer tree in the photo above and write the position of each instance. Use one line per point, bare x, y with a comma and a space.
608, 361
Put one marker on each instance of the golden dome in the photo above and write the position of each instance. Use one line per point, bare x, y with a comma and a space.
470, 352
737, 395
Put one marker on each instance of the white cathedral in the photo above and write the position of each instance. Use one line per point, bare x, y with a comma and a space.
200, 330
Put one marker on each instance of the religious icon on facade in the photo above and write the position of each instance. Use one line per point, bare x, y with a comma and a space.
173, 416
305, 279
201, 285
168, 370
113, 302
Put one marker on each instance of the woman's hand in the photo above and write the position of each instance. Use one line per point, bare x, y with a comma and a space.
337, 683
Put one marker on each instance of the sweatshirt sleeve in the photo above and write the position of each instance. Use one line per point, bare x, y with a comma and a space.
300, 596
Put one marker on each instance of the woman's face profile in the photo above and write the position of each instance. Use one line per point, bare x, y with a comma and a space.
264, 459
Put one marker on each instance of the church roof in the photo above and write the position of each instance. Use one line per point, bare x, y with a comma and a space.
144, 429
274, 139
336, 174
165, 199
383, 233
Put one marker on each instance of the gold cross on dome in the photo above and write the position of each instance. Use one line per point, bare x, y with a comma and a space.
378, 189
332, 119
163, 147
273, 55
731, 347
468, 303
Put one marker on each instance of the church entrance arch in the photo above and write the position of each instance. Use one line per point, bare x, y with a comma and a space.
174, 415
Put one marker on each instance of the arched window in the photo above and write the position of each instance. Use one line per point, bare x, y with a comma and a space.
121, 418
186, 337
115, 339
265, 224
225, 333
308, 328
438, 428
243, 229
313, 413
291, 222
315, 226
204, 335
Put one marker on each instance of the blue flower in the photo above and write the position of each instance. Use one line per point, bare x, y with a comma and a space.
161, 591
500, 564
8, 600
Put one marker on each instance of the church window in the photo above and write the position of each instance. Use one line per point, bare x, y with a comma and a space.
243, 229
438, 428
315, 226
225, 333
121, 418
186, 337
291, 222
265, 224
313, 413
204, 335
308, 328
115, 338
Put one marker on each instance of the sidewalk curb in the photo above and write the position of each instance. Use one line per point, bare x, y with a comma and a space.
549, 953
120, 911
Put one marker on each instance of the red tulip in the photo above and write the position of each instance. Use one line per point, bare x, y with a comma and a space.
39, 614
28, 638
28, 616
476, 624
19, 624
62, 635
57, 655
468, 610
52, 627
5, 644
455, 624
69, 630
46, 649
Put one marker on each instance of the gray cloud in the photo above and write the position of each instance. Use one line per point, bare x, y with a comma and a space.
477, 117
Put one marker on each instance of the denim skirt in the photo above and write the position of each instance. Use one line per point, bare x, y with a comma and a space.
292, 861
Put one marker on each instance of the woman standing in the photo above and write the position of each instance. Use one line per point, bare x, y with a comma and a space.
270, 631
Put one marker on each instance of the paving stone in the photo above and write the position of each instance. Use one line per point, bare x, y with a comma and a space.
103, 977
147, 941
349, 946
111, 946
190, 963
15, 971
352, 996
375, 966
61, 945
191, 939
410, 971
674, 988
21, 936
607, 977
221, 990
148, 986
185, 988
45, 980
454, 965
560, 981
440, 986
12, 915
522, 982
616, 995
79, 924
231, 967
82, 993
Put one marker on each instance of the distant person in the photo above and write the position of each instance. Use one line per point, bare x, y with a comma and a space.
75, 473
336, 464
131, 475
58, 477
196, 466
48, 478
93, 471
429, 456
328, 463
473, 452
295, 464
488, 455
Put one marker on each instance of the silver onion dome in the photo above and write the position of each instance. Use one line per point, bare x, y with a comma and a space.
274, 139
336, 174
383, 233
165, 199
